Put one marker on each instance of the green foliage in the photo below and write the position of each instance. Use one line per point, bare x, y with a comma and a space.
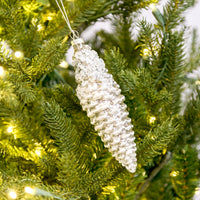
8, 98
47, 59
184, 169
122, 39
62, 131
194, 56
129, 6
174, 53
91, 10
115, 62
139, 88
156, 141
67, 99
52, 146
173, 10
163, 180
165, 46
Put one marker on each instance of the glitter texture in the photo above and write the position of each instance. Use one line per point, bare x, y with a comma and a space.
100, 96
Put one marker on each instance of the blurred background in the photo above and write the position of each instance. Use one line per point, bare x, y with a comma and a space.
192, 21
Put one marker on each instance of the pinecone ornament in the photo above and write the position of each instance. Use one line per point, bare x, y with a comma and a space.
100, 96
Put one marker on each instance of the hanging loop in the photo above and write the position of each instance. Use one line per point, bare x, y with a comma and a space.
74, 34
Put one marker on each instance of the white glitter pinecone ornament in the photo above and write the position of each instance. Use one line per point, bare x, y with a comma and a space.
100, 97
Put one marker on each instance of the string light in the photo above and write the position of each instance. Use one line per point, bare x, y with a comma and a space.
38, 152
164, 151
1, 29
40, 27
197, 82
153, 137
1, 71
19, 54
144, 198
64, 64
146, 52
94, 155
10, 129
29, 190
109, 189
34, 21
152, 119
174, 173
12, 195
152, 6
38, 149
197, 191
157, 14
49, 18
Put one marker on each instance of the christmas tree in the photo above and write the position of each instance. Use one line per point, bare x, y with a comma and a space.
50, 147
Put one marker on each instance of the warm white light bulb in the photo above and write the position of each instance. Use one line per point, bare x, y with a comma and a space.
10, 129
29, 190
152, 6
34, 21
153, 137
40, 27
12, 195
49, 18
174, 173
38, 152
64, 64
152, 119
197, 192
18, 54
1, 71
146, 52
197, 82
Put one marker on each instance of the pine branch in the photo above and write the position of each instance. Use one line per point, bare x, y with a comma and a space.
61, 128
129, 6
173, 10
153, 174
81, 14
115, 62
48, 58
155, 141
8, 98
184, 170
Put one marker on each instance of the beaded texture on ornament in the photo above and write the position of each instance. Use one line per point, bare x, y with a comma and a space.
100, 96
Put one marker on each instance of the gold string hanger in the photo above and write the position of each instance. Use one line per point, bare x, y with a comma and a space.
61, 6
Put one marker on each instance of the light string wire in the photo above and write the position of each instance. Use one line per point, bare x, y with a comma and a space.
65, 16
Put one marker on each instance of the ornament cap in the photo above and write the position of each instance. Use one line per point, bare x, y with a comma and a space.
78, 43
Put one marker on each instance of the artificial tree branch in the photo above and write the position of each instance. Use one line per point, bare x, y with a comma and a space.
145, 185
